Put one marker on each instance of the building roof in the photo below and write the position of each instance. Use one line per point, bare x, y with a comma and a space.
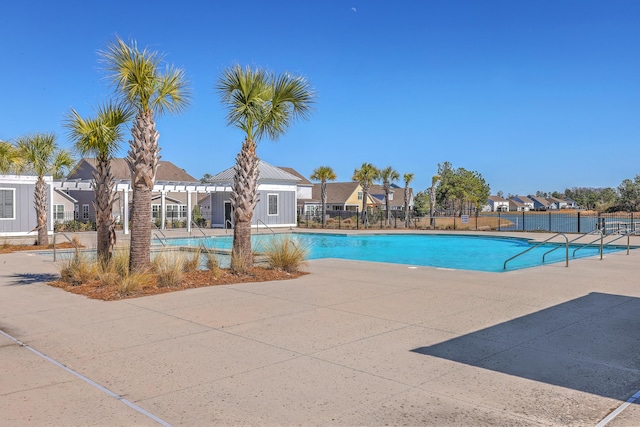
265, 170
497, 199
292, 171
338, 192
166, 171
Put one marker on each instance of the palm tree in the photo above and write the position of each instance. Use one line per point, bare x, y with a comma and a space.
101, 137
39, 154
388, 175
365, 176
432, 200
408, 177
145, 85
323, 174
9, 158
260, 104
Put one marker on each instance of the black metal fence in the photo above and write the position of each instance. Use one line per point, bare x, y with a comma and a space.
560, 221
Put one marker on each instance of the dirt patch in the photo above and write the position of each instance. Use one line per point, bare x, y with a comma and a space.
195, 279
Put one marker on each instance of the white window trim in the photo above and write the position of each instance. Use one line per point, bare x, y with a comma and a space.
13, 216
55, 212
269, 204
85, 212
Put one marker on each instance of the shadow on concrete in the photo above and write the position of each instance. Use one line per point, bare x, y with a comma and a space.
31, 278
590, 344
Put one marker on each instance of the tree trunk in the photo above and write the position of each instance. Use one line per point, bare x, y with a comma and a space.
386, 204
365, 196
323, 196
103, 204
143, 161
432, 206
40, 202
406, 206
244, 198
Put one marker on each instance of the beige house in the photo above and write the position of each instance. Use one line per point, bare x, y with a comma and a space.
341, 196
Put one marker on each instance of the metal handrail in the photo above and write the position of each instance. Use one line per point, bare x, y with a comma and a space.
198, 227
624, 233
227, 221
504, 267
261, 221
66, 237
571, 241
159, 239
601, 238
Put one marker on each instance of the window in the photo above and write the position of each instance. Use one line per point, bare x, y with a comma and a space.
273, 204
58, 213
7, 203
359, 195
85, 211
155, 211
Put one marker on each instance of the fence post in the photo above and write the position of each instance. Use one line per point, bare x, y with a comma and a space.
357, 219
578, 221
550, 221
523, 220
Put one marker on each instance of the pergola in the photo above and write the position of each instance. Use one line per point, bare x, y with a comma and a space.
162, 187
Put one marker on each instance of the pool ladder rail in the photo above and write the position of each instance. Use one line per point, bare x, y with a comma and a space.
599, 241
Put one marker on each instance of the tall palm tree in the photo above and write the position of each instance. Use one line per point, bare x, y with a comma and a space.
323, 174
365, 176
260, 104
40, 155
432, 200
101, 136
388, 175
143, 83
408, 177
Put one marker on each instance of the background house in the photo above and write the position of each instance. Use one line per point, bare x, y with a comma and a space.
497, 204
341, 196
174, 194
277, 195
521, 203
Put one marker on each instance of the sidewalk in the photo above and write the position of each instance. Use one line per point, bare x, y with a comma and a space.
349, 344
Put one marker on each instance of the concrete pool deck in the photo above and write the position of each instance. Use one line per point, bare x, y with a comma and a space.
352, 343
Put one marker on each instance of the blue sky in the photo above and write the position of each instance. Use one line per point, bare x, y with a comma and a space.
534, 95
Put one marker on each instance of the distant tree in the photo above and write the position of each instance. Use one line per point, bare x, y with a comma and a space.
461, 189
557, 195
39, 154
594, 198
629, 191
365, 176
205, 178
323, 174
388, 175
432, 200
542, 194
408, 177
421, 203
500, 194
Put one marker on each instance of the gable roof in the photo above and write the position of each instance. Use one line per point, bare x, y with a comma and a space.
265, 172
339, 192
166, 171
292, 171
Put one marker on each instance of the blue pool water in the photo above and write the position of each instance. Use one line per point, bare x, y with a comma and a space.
462, 252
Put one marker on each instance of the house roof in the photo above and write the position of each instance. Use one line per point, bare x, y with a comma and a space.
337, 192
292, 171
497, 199
166, 171
543, 201
265, 170
523, 199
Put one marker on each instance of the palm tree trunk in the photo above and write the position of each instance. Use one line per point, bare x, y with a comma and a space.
244, 198
432, 206
40, 202
365, 196
323, 196
406, 206
103, 205
143, 160
386, 205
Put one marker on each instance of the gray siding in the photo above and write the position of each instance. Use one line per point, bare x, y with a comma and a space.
286, 208
25, 212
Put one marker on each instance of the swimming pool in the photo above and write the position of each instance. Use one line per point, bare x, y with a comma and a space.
462, 252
